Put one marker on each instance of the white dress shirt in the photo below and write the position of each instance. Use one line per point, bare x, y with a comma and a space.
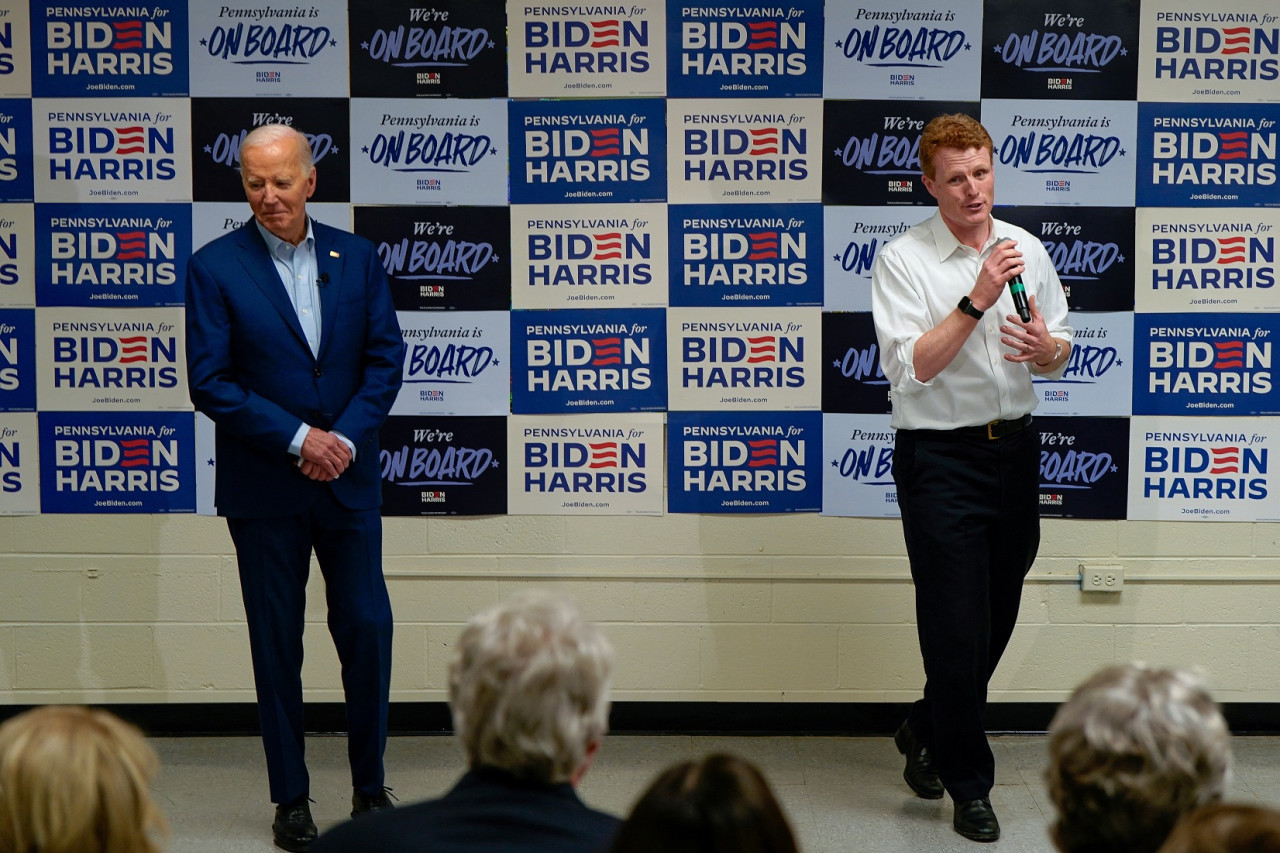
916, 281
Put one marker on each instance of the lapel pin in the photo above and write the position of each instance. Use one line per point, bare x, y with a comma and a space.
333, 254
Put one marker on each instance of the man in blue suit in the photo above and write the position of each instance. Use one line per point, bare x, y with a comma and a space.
294, 352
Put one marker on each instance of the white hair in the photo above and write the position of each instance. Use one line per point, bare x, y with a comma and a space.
267, 134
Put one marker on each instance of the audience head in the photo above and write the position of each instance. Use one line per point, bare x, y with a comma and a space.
75, 780
1132, 751
953, 130
721, 804
1226, 828
529, 688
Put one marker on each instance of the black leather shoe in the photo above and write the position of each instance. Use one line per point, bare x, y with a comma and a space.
919, 773
293, 828
362, 803
976, 820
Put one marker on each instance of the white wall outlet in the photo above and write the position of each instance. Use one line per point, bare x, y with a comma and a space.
1101, 578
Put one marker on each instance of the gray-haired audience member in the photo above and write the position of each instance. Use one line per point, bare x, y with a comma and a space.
1132, 751
1226, 828
528, 688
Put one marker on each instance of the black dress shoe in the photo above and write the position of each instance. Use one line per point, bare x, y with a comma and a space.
293, 827
976, 820
362, 803
919, 773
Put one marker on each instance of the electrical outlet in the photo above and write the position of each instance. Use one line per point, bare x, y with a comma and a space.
1101, 578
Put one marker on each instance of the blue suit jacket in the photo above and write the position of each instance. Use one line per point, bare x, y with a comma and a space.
250, 369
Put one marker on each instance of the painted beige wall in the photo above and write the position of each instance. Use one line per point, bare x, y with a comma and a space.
748, 608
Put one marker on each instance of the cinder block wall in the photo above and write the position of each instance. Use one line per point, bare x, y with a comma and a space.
748, 608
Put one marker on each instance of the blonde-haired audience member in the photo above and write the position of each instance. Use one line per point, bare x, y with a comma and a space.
1132, 751
75, 780
1226, 828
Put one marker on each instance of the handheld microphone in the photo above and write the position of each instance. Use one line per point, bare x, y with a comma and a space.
1018, 291
323, 279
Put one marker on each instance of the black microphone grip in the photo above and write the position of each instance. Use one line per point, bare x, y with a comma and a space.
1018, 291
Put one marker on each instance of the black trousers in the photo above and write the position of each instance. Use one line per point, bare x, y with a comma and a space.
971, 516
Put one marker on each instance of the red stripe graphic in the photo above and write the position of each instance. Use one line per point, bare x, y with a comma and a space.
606, 142
131, 244
604, 455
1234, 145
762, 349
764, 452
763, 245
135, 453
608, 246
1231, 250
1226, 460
129, 140
764, 36
1230, 354
133, 349
128, 35
1235, 40
607, 351
604, 33
764, 141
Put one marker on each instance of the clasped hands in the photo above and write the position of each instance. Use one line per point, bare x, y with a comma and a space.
1030, 342
324, 455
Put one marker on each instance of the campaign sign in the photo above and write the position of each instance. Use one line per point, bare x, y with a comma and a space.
762, 51
1064, 152
17, 360
453, 48
1208, 155
880, 50
260, 49
442, 257
1205, 364
1199, 261
858, 477
17, 256
1084, 467
588, 360
852, 236
112, 255
17, 166
1202, 469
213, 219
219, 125
588, 256
429, 151
585, 464
15, 51
760, 255
444, 466
1087, 50
743, 358
560, 51
19, 479
116, 462
871, 150
852, 379
108, 51
731, 151
1220, 52
206, 465
97, 359
744, 462
588, 151
455, 363
1099, 376
1092, 249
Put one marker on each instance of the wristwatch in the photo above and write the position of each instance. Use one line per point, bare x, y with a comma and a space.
966, 307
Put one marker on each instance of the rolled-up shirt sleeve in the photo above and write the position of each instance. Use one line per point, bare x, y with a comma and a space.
901, 315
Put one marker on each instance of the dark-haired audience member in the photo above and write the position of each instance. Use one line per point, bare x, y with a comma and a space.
528, 688
720, 804
1130, 753
75, 780
1226, 828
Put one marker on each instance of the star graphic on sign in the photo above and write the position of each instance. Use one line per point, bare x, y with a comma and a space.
836, 152
204, 41
839, 43
333, 42
1120, 259
364, 150
835, 463
208, 149
364, 45
210, 463
1124, 51
835, 363
968, 46
1123, 152
491, 43
333, 150
493, 151
996, 48
494, 259
836, 256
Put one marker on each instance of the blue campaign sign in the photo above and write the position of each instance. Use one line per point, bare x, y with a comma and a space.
109, 462
1084, 467
588, 151
588, 360
17, 182
17, 360
744, 462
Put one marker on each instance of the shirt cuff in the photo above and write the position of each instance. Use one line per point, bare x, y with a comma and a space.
347, 442
295, 446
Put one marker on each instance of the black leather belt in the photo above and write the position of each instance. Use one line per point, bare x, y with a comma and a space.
989, 432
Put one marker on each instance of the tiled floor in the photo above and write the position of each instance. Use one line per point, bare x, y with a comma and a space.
842, 794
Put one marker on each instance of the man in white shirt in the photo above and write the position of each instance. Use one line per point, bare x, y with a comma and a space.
960, 363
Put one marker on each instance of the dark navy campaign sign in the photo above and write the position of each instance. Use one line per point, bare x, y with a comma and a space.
744, 462
852, 380
588, 151
749, 255
1091, 248
219, 125
17, 175
444, 466
109, 462
1086, 50
1084, 467
454, 48
755, 51
442, 257
106, 50
111, 255
872, 150
1208, 155
1205, 364
588, 360
17, 360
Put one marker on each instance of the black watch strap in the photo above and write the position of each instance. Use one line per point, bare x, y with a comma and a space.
966, 306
